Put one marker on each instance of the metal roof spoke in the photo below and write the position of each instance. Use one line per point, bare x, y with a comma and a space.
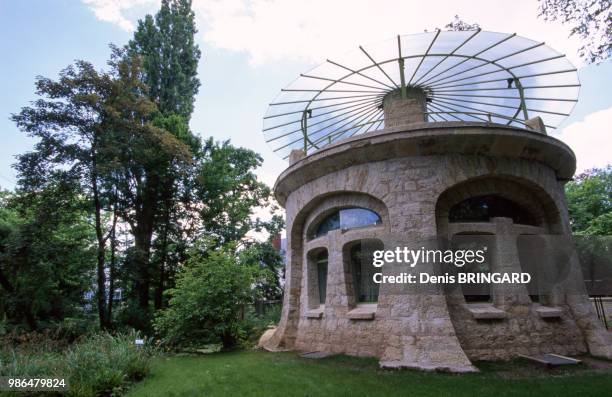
325, 99
505, 78
318, 107
368, 105
468, 58
446, 56
360, 74
378, 66
342, 81
424, 56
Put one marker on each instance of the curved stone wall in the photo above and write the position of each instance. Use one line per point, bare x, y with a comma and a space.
407, 176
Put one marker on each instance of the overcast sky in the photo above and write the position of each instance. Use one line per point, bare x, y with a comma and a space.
252, 49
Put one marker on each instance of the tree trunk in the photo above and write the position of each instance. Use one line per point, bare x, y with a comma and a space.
111, 274
143, 238
101, 295
159, 293
228, 339
101, 249
142, 253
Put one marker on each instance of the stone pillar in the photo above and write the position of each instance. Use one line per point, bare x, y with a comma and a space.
336, 303
507, 261
400, 111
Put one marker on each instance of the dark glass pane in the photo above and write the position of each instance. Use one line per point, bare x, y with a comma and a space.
475, 292
348, 218
352, 218
533, 258
322, 276
366, 290
332, 222
483, 208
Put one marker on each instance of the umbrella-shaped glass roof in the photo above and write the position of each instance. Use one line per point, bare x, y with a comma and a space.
466, 76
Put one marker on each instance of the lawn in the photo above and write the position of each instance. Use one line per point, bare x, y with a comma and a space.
257, 373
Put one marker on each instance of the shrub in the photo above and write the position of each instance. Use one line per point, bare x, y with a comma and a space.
208, 302
101, 364
256, 324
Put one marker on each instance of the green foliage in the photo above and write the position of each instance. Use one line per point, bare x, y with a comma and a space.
99, 365
143, 187
167, 45
207, 304
589, 200
590, 20
226, 183
255, 324
46, 255
264, 256
99, 129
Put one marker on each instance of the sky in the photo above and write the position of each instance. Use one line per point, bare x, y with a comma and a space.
253, 48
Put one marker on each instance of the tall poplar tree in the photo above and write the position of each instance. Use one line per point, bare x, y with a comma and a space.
166, 44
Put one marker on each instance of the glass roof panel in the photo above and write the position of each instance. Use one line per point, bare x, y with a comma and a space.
467, 75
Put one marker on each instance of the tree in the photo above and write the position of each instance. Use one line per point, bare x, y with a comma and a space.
47, 254
98, 126
67, 121
589, 199
123, 137
140, 151
590, 20
264, 255
206, 304
227, 186
170, 57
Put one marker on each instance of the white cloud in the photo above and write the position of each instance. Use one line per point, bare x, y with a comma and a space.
590, 140
269, 30
311, 31
113, 11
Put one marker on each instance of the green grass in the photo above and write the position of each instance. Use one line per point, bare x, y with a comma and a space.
256, 373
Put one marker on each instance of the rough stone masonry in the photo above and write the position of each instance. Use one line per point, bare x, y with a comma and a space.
412, 173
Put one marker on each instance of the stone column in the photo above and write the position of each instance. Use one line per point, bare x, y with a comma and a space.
507, 261
400, 111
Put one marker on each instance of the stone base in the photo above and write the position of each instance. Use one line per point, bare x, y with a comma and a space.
462, 369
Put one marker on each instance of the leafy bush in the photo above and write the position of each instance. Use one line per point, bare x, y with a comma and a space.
101, 364
207, 305
256, 324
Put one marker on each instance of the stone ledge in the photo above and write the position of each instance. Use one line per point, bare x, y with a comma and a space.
549, 311
486, 312
428, 139
362, 313
315, 313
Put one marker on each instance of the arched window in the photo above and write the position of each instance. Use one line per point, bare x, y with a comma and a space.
483, 208
360, 259
347, 218
317, 260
